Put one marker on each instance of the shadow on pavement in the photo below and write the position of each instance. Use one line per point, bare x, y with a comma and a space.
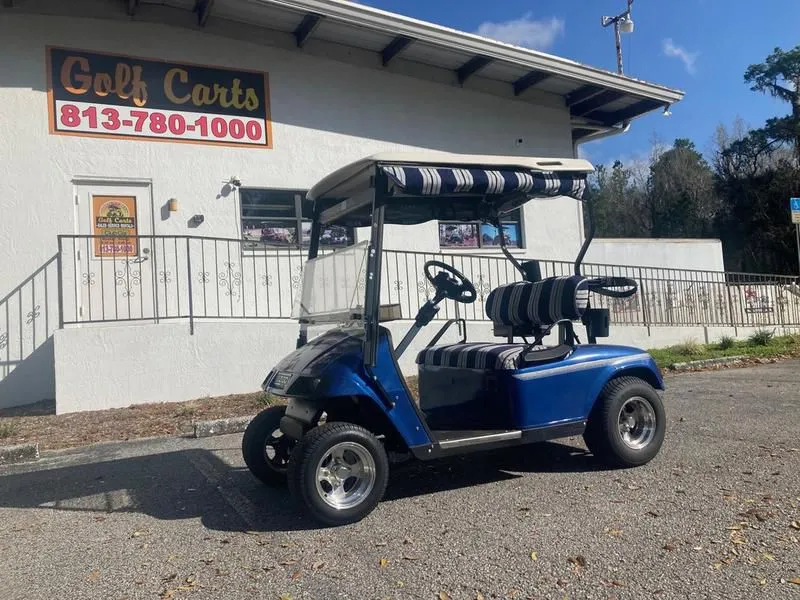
195, 483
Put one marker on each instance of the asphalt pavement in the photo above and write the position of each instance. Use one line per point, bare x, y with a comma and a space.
715, 515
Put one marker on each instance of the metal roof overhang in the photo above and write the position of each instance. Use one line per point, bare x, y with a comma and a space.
598, 100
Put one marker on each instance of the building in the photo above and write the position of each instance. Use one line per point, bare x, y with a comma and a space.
210, 119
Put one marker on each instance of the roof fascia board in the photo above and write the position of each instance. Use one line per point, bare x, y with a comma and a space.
363, 16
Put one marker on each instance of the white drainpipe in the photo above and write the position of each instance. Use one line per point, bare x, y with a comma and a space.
626, 125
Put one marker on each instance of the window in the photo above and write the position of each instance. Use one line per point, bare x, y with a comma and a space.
274, 218
482, 235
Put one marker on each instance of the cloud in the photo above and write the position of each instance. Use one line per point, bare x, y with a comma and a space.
689, 59
525, 31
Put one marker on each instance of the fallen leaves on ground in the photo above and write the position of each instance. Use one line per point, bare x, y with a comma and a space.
795, 524
795, 581
93, 576
578, 561
534, 556
444, 596
383, 562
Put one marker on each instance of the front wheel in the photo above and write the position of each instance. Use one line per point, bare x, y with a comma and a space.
264, 447
627, 425
339, 472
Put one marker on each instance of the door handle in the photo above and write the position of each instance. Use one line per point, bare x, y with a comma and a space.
144, 257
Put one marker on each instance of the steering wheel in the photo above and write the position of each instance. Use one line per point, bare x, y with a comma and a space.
605, 286
449, 282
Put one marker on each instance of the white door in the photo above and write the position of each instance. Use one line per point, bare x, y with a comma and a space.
114, 262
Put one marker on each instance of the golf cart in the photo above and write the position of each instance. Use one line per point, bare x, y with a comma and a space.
348, 405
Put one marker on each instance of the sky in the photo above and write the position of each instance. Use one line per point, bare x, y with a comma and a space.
701, 47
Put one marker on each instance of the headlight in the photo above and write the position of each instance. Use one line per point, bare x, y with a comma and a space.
280, 381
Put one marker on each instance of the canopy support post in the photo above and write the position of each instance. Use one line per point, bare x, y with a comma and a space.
372, 298
589, 235
511, 258
313, 250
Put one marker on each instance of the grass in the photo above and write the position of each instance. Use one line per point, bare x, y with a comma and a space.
762, 337
726, 342
8, 429
759, 345
689, 347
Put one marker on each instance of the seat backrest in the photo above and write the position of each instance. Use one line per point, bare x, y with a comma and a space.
541, 303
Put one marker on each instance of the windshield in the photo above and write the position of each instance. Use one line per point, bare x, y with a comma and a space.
333, 287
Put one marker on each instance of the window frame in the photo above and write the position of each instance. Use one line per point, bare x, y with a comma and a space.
297, 221
519, 222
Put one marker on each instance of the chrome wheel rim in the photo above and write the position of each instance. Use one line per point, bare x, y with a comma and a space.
637, 422
276, 451
346, 475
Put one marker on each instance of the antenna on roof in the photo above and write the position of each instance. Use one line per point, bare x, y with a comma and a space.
622, 23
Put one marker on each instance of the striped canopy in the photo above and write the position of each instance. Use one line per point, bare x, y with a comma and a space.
467, 189
437, 181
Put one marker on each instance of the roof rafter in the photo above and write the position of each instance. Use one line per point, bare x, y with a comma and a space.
203, 10
472, 66
395, 47
306, 28
531, 79
592, 104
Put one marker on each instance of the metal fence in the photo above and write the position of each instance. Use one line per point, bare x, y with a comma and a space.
184, 277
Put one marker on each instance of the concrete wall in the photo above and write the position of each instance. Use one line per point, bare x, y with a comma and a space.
117, 366
704, 255
325, 114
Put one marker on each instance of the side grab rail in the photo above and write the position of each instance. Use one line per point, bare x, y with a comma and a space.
462, 331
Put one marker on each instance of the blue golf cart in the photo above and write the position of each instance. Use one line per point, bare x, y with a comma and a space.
348, 405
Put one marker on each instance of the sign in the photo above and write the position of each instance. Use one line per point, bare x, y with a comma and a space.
109, 95
114, 221
794, 206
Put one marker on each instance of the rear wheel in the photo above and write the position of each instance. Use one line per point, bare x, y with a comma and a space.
339, 472
627, 425
264, 447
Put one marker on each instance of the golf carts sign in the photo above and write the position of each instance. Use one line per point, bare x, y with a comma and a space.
794, 206
107, 95
114, 221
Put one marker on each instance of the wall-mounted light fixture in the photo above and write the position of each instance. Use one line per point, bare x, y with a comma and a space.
172, 205
196, 220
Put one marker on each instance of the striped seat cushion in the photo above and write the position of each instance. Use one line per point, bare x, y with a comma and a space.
541, 303
473, 356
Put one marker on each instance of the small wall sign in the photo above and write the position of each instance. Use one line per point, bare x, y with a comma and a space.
110, 95
794, 206
114, 222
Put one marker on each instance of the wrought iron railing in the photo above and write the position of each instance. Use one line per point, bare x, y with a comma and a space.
184, 277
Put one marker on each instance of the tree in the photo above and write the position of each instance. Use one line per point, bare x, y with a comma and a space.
616, 196
680, 198
779, 76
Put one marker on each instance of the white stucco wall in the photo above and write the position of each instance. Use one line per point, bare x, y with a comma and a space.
325, 114
702, 254
163, 363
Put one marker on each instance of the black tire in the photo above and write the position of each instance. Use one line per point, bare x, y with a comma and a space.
309, 454
263, 434
603, 435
